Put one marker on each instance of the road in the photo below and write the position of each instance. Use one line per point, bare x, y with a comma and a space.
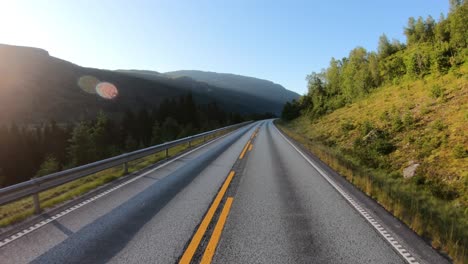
252, 196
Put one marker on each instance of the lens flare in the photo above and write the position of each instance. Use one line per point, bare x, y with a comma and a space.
88, 83
107, 90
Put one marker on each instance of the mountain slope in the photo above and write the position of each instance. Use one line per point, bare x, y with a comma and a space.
249, 85
232, 99
36, 87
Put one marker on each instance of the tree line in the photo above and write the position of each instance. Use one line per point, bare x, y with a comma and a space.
28, 151
431, 48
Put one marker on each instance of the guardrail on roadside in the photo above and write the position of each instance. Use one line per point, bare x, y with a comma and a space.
34, 186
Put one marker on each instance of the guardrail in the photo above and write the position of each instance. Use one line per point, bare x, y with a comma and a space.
34, 186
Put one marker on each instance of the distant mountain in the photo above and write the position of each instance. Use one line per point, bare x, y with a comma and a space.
249, 85
262, 90
36, 87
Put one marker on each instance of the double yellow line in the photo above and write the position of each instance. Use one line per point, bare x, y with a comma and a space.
212, 244
249, 145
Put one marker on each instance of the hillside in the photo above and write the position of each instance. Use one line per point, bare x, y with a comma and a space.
231, 99
423, 129
36, 87
394, 123
249, 85
405, 145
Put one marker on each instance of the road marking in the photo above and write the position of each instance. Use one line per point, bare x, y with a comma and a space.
211, 248
250, 147
67, 211
255, 133
198, 236
244, 150
194, 243
396, 245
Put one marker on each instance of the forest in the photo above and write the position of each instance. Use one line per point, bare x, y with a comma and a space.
432, 47
28, 151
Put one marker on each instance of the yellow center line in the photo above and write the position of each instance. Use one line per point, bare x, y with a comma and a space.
192, 247
211, 248
253, 135
244, 150
250, 147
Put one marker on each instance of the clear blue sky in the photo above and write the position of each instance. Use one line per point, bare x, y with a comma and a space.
281, 41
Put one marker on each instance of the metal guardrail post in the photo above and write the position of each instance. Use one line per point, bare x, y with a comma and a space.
125, 167
36, 202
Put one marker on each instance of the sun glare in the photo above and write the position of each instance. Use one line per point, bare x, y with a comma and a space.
107, 90
88, 83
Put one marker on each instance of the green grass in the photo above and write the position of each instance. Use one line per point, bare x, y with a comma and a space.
371, 141
22, 209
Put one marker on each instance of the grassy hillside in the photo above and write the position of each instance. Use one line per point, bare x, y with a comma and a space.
426, 121
373, 140
394, 122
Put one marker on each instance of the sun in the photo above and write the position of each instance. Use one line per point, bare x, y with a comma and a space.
21, 24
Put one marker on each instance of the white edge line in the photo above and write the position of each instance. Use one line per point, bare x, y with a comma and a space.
91, 199
358, 208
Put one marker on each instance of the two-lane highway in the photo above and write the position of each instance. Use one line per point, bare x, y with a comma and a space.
248, 197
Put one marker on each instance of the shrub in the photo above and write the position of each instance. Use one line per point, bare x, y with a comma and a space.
439, 125
408, 120
50, 165
442, 189
347, 126
437, 91
383, 146
460, 152
427, 144
371, 149
366, 127
397, 124
385, 116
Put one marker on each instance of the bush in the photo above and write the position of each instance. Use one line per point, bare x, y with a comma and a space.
427, 144
437, 91
397, 124
385, 116
408, 120
347, 126
383, 146
371, 149
460, 152
442, 189
291, 110
439, 125
366, 127
50, 165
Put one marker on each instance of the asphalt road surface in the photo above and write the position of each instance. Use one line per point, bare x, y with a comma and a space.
252, 196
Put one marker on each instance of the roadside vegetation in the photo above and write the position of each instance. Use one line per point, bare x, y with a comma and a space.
394, 123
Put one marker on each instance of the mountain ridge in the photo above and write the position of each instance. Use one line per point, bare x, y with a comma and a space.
247, 84
36, 87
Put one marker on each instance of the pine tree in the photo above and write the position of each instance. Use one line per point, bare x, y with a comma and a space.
156, 134
81, 149
50, 165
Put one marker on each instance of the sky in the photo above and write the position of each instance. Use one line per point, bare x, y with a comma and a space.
281, 41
